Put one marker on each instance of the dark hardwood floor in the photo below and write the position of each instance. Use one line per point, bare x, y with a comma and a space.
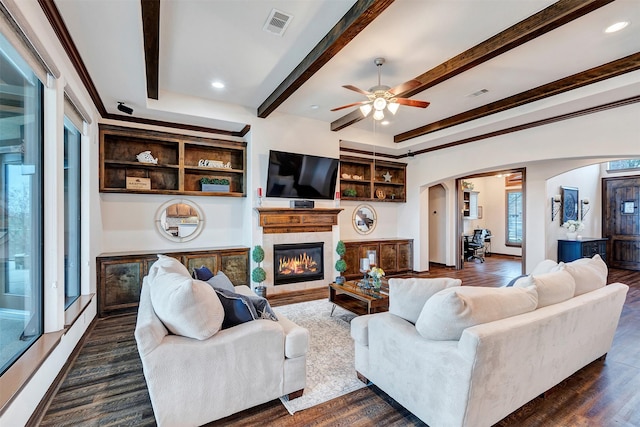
105, 385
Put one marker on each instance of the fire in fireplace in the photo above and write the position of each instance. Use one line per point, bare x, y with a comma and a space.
298, 262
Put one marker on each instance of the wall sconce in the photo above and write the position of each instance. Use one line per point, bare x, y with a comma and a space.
556, 202
584, 208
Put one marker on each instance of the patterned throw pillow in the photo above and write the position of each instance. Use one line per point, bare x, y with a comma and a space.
240, 308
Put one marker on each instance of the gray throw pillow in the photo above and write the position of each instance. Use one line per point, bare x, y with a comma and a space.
221, 281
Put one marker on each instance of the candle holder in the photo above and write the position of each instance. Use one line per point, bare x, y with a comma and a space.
365, 267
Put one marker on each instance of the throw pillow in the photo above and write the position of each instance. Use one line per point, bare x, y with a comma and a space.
202, 273
449, 312
185, 306
237, 308
407, 296
545, 266
589, 273
221, 281
167, 264
240, 308
515, 280
552, 288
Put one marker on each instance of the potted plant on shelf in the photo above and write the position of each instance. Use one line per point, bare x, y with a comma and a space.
349, 192
258, 274
341, 265
216, 185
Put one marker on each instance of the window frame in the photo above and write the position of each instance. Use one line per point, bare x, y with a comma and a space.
507, 241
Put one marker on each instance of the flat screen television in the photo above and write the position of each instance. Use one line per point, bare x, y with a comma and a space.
301, 176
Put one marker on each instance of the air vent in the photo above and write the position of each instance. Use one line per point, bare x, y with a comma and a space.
277, 22
478, 93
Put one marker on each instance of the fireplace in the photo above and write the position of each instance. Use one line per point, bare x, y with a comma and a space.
298, 262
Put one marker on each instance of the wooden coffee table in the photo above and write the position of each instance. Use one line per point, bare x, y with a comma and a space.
357, 300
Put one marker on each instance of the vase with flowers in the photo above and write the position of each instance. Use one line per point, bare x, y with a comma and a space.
376, 274
573, 226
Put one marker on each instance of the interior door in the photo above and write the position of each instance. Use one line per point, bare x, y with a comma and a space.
621, 221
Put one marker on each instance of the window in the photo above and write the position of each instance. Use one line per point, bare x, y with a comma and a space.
624, 164
514, 218
71, 213
21, 205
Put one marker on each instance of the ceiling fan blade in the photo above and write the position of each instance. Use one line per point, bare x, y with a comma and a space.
404, 87
355, 89
412, 102
351, 105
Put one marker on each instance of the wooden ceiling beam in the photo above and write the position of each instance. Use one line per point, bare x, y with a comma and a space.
151, 33
361, 14
546, 20
596, 74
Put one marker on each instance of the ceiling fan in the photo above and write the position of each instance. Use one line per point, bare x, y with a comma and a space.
382, 96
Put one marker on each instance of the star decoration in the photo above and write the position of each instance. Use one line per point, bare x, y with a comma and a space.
387, 177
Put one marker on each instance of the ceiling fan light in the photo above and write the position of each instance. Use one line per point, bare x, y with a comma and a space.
379, 104
366, 109
378, 115
393, 107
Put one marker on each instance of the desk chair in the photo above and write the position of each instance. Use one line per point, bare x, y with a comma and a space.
475, 247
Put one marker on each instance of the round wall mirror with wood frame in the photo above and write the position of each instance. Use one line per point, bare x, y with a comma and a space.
364, 219
179, 220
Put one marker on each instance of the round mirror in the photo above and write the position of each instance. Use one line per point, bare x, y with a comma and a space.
179, 220
364, 219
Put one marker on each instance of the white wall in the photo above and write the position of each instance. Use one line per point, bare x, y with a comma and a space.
542, 150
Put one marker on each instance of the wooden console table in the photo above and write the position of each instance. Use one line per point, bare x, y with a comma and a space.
357, 300
119, 275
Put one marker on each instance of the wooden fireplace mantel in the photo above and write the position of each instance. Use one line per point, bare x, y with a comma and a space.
289, 220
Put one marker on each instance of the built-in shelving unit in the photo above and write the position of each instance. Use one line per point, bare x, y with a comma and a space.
178, 169
470, 204
372, 180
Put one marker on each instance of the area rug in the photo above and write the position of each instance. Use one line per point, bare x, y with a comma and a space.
330, 360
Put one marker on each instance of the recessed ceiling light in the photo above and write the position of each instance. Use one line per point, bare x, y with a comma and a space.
218, 85
314, 107
616, 27
384, 122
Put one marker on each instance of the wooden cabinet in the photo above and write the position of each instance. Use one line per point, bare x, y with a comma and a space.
366, 180
182, 161
470, 204
393, 256
120, 275
571, 250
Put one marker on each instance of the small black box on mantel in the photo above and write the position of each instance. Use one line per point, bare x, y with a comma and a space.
302, 204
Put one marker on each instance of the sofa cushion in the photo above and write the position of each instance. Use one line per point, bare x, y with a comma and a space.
221, 281
589, 273
552, 288
449, 312
186, 306
407, 296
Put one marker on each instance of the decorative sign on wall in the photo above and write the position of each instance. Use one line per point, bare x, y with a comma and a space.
569, 204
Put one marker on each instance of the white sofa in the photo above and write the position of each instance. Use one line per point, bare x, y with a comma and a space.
195, 380
462, 356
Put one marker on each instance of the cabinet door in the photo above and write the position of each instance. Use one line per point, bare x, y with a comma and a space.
405, 256
211, 261
120, 283
388, 257
236, 267
352, 258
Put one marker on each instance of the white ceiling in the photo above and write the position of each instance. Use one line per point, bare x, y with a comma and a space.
202, 41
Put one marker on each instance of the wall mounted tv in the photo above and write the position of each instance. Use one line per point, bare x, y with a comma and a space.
301, 176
